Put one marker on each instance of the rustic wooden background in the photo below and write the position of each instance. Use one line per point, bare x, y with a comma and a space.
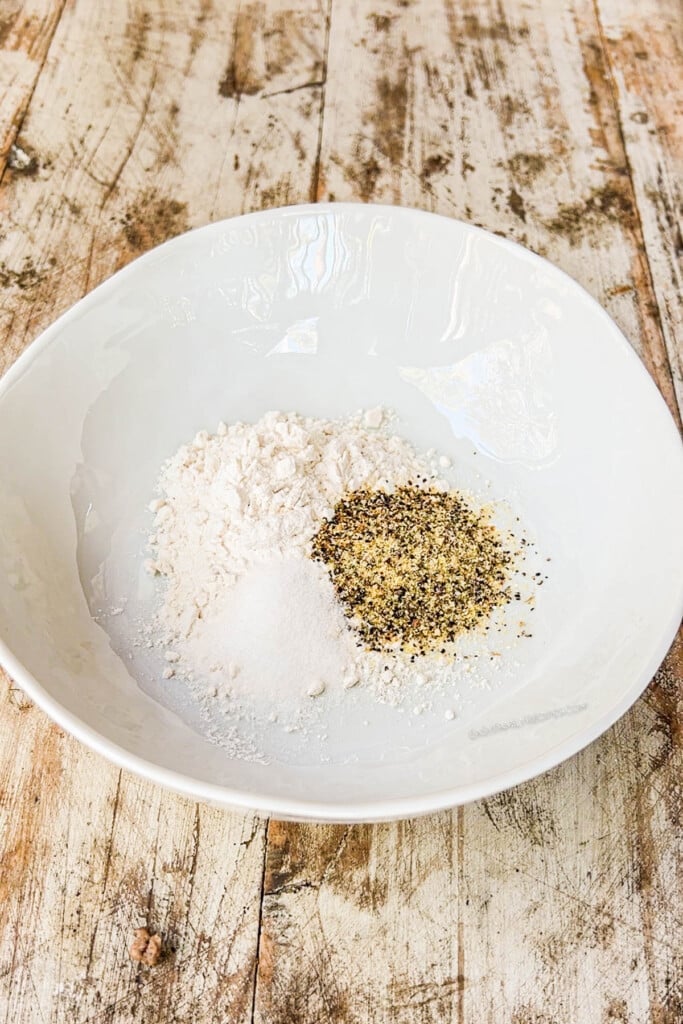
559, 124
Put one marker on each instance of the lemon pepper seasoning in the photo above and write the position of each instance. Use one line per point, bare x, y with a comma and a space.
413, 568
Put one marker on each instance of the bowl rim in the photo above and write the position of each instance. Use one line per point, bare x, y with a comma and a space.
298, 808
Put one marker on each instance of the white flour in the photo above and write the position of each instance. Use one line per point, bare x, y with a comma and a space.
258, 492
245, 612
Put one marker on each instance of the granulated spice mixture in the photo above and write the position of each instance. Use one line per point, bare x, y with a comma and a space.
413, 568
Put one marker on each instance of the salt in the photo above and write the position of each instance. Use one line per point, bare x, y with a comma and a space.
282, 625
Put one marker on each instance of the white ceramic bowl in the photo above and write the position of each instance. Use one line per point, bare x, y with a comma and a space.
485, 351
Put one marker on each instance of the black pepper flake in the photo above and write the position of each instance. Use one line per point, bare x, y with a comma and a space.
413, 568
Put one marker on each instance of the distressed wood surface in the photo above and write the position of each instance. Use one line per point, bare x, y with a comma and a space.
644, 46
26, 31
555, 124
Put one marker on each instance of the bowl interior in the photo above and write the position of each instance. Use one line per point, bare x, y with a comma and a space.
485, 351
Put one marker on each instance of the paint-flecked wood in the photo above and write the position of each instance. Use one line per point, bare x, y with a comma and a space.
26, 30
554, 124
644, 44
89, 854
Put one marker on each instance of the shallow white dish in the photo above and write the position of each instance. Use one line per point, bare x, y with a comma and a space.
485, 351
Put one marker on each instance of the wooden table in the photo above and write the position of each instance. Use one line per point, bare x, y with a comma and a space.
558, 124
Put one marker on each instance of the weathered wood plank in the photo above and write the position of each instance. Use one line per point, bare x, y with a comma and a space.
644, 44
26, 30
146, 120
89, 854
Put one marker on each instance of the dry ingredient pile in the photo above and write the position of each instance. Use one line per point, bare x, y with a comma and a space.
413, 568
299, 555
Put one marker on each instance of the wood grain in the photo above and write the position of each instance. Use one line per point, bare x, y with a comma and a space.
644, 46
89, 854
554, 124
26, 30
